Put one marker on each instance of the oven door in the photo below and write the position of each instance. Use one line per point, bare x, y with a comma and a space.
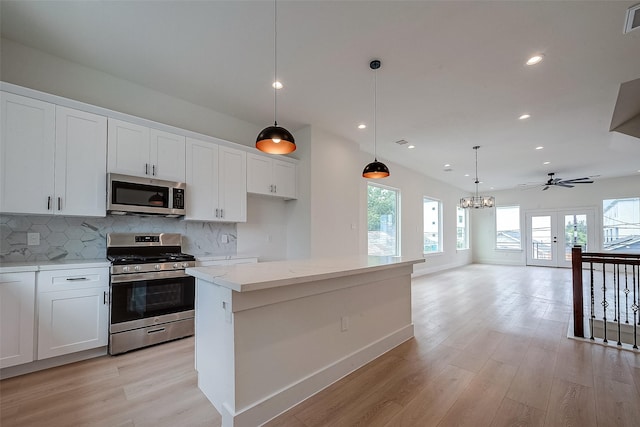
139, 300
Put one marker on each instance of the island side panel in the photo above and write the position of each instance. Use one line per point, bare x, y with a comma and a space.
288, 350
214, 347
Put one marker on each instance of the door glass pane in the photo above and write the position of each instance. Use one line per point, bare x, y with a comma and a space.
541, 237
575, 233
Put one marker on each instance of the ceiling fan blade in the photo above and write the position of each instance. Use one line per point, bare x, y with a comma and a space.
578, 181
564, 184
545, 188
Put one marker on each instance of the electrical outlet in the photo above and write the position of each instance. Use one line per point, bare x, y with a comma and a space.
224, 238
33, 239
344, 323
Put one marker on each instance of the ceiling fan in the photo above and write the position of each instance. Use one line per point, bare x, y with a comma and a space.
568, 183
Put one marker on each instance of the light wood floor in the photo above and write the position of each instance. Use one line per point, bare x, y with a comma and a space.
490, 349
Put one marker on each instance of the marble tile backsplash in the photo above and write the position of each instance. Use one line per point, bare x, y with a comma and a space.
85, 238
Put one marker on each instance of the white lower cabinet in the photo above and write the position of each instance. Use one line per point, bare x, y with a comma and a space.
17, 313
73, 310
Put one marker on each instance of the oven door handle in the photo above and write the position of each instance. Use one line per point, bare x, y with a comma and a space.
153, 331
138, 277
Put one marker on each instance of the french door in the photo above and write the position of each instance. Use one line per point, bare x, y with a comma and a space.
552, 234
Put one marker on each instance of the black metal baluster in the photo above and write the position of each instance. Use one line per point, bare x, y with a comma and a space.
593, 315
605, 304
616, 296
626, 295
634, 307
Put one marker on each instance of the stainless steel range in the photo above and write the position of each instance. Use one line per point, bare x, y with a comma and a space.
152, 299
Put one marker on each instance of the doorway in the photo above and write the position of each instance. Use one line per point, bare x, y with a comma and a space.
552, 234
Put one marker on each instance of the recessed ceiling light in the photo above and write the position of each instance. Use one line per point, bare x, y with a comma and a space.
466, 174
362, 126
524, 116
536, 59
277, 85
411, 146
540, 147
447, 165
546, 163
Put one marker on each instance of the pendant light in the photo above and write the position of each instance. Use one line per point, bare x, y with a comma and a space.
477, 202
375, 169
275, 139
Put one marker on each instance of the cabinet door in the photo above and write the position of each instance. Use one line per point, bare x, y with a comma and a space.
27, 142
72, 320
284, 179
128, 148
233, 184
202, 180
80, 163
167, 156
17, 302
259, 174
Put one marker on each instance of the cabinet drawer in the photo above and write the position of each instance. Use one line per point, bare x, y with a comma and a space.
59, 280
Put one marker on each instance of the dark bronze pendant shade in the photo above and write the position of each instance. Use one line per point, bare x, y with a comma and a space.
275, 140
375, 170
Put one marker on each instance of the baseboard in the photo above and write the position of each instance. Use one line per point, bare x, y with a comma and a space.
39, 365
281, 401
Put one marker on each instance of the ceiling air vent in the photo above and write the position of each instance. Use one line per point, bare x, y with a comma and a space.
633, 19
402, 142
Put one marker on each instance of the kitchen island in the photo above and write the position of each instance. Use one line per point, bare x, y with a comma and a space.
269, 335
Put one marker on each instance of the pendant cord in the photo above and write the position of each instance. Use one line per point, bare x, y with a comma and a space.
275, 62
375, 114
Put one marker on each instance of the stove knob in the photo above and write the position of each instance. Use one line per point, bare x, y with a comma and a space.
185, 264
157, 266
176, 265
136, 268
125, 269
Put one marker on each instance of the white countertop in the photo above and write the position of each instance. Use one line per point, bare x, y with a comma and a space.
16, 267
265, 275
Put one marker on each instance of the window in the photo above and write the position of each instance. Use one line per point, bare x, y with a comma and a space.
621, 225
462, 236
382, 220
431, 212
508, 228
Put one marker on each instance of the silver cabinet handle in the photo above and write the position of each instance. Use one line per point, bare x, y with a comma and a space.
217, 212
153, 168
275, 188
146, 168
59, 203
49, 203
221, 213
75, 279
105, 298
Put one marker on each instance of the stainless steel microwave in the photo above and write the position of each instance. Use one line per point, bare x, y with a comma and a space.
136, 195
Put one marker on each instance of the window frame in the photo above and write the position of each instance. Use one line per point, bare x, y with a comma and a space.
440, 249
605, 223
398, 245
465, 212
495, 237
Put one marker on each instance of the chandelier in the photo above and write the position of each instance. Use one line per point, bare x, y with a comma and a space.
477, 202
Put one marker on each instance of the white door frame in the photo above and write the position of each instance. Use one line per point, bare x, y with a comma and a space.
557, 235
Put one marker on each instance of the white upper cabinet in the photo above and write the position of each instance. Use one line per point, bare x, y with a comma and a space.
53, 159
80, 159
216, 182
271, 177
140, 151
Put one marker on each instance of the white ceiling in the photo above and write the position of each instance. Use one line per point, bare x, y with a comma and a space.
452, 75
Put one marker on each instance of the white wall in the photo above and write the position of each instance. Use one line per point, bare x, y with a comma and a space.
24, 66
581, 196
